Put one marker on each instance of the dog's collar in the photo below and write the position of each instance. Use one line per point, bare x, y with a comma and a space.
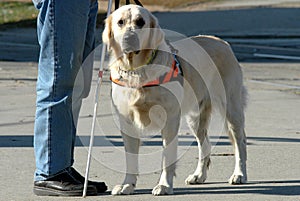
153, 55
174, 74
149, 61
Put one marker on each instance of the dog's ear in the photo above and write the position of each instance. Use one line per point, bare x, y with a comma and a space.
107, 35
157, 35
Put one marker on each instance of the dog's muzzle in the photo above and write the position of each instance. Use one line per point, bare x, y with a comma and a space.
130, 42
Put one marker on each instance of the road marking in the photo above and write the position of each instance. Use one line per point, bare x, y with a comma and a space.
275, 56
275, 84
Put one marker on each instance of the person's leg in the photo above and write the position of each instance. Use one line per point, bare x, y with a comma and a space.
83, 84
84, 76
65, 38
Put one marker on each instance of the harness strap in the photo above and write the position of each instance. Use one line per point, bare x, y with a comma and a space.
172, 75
117, 3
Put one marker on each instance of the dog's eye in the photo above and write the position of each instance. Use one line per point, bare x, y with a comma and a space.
121, 22
140, 22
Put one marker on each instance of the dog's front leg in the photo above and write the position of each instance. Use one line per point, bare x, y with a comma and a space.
131, 144
170, 140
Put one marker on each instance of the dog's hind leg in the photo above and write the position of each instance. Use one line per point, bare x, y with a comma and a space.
235, 123
169, 158
199, 124
131, 144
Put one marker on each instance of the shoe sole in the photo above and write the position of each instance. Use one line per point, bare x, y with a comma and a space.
40, 191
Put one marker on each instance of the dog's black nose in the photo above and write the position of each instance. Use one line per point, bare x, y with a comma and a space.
130, 36
130, 42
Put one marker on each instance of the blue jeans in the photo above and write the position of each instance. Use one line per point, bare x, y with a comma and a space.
66, 30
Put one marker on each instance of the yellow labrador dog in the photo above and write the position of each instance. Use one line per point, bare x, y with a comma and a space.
153, 85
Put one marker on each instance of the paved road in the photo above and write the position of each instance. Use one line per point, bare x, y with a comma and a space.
272, 117
272, 126
265, 26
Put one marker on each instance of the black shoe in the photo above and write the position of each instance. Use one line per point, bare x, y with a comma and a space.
101, 186
63, 184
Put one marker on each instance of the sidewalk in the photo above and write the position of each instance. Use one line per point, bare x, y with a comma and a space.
272, 117
272, 128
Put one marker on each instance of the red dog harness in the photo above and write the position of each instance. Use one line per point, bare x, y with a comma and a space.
174, 74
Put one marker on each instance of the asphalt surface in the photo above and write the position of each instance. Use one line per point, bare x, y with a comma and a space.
253, 31
272, 115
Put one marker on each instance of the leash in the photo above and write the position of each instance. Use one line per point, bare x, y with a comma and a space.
117, 3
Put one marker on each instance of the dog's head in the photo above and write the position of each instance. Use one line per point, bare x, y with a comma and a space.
130, 30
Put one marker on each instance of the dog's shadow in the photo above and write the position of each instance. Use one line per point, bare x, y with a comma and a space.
281, 188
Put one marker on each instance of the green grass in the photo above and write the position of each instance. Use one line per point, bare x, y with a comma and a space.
23, 14
14, 14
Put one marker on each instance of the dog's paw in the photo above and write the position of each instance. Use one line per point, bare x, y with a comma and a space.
195, 179
237, 179
162, 190
125, 189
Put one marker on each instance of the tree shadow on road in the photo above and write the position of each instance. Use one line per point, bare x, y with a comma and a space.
280, 188
116, 140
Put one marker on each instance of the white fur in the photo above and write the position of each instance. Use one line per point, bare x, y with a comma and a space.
213, 78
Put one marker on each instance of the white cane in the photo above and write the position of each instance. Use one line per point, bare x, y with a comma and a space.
99, 82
